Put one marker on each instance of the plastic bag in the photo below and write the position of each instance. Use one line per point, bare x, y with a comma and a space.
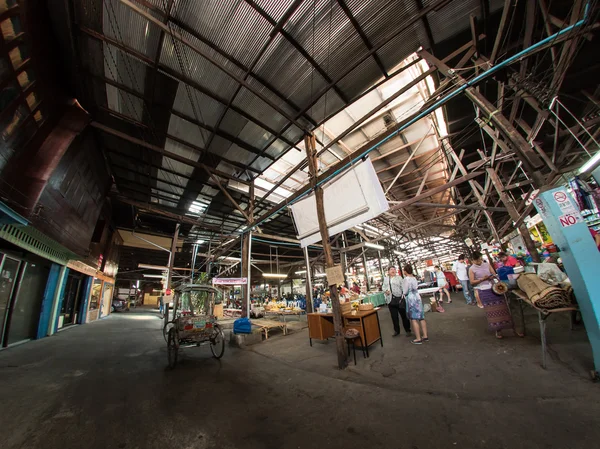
550, 273
242, 326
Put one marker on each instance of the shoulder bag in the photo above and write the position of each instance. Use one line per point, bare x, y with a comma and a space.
397, 301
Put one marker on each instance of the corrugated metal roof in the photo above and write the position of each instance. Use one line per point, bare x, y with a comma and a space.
190, 64
452, 19
282, 104
326, 33
188, 132
380, 19
207, 110
124, 69
327, 104
403, 45
232, 25
275, 8
255, 135
357, 81
125, 25
251, 104
287, 70
124, 103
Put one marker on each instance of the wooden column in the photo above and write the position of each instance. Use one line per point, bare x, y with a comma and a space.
245, 272
364, 261
514, 214
309, 290
172, 256
311, 153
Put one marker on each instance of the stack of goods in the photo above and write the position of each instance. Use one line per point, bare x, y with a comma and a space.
281, 306
542, 295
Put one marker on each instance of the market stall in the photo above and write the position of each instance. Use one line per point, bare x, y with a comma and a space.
320, 326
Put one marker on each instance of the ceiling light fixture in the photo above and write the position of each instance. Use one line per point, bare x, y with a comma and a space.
152, 267
274, 275
160, 276
589, 164
373, 245
300, 272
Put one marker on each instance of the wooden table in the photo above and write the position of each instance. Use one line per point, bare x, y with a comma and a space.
282, 314
266, 325
320, 326
543, 314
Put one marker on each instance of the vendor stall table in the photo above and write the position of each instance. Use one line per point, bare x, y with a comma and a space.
377, 299
282, 314
543, 314
266, 325
425, 291
320, 326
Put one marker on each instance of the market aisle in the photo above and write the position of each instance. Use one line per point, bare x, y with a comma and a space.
105, 385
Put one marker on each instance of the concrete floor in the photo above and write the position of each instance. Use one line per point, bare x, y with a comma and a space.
105, 385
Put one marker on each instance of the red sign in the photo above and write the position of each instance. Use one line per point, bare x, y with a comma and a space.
560, 196
168, 292
567, 220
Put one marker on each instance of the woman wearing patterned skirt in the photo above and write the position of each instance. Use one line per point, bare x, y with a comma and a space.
414, 306
495, 306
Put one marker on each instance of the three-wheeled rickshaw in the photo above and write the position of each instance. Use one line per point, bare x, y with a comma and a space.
193, 322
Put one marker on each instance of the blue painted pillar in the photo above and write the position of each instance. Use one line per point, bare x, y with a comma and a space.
579, 254
48, 301
58, 299
87, 287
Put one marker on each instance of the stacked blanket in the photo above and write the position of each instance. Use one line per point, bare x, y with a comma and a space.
543, 295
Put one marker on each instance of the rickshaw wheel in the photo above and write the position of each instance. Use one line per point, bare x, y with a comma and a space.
217, 343
167, 327
172, 347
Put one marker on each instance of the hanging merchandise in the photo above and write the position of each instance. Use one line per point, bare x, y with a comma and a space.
582, 193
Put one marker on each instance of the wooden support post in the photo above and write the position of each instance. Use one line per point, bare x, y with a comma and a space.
172, 256
245, 269
311, 153
366, 267
309, 290
514, 214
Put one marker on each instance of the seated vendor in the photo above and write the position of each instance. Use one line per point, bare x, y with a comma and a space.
508, 261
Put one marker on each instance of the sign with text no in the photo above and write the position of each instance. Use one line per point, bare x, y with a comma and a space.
568, 220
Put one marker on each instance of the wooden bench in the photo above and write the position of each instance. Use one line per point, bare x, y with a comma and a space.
267, 325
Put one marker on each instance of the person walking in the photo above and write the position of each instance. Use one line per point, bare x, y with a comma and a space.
495, 306
460, 270
414, 306
442, 284
392, 289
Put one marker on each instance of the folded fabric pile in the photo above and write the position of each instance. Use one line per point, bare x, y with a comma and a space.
541, 294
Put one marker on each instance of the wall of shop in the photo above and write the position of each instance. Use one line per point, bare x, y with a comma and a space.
23, 282
74, 196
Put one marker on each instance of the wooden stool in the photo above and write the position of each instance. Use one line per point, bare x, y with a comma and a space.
351, 335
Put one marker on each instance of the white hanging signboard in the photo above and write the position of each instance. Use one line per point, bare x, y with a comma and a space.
230, 281
350, 199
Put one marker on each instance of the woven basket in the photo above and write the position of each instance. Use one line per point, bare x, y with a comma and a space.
346, 307
365, 307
